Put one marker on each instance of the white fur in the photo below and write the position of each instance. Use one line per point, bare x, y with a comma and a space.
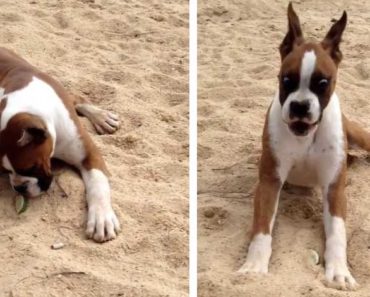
307, 69
259, 253
313, 159
101, 218
25, 139
303, 92
6, 164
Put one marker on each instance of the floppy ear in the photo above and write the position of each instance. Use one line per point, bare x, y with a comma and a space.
294, 35
35, 135
333, 38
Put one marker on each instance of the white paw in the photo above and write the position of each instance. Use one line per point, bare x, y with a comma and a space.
338, 276
259, 254
105, 121
254, 266
102, 223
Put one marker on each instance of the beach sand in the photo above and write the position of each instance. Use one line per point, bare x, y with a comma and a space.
129, 57
238, 65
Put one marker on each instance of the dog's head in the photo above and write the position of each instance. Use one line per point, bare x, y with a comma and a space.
25, 149
308, 74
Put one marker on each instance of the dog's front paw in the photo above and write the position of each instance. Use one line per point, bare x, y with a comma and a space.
338, 276
102, 223
259, 254
257, 265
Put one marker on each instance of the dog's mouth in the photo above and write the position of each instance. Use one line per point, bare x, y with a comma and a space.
300, 128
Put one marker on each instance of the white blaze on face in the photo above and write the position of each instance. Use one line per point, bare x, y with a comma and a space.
33, 188
307, 69
304, 93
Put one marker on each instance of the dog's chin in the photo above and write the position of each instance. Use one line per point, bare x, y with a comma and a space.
300, 128
33, 195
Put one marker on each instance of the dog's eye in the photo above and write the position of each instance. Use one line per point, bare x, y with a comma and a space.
322, 84
289, 84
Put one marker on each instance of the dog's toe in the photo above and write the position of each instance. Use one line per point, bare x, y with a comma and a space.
102, 224
250, 267
110, 234
338, 277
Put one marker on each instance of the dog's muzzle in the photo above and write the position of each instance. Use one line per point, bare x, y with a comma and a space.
300, 128
300, 118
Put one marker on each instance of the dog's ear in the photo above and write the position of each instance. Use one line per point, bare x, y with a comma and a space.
34, 134
294, 35
333, 38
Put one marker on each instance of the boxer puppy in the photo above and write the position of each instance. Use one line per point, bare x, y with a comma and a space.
39, 121
305, 142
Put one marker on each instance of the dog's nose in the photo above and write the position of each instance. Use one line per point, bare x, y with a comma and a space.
299, 109
21, 189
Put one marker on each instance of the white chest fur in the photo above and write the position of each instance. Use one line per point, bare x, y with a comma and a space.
311, 160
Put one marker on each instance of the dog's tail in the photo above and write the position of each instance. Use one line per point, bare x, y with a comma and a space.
356, 135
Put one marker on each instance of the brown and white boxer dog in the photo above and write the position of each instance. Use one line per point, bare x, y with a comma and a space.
38, 121
305, 142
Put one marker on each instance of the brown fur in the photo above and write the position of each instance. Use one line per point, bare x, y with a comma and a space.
32, 155
294, 35
268, 187
328, 56
356, 135
325, 68
336, 194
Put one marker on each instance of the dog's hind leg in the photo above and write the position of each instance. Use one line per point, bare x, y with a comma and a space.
356, 135
103, 120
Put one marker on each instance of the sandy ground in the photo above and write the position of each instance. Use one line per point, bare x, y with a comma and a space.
238, 65
129, 57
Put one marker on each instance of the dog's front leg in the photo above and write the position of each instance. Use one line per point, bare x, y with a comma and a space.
336, 269
102, 223
265, 207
